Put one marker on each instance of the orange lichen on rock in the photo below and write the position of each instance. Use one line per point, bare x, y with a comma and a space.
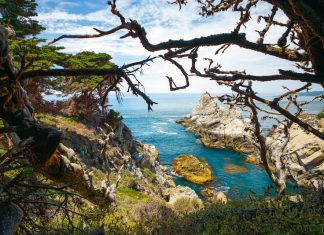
251, 159
192, 169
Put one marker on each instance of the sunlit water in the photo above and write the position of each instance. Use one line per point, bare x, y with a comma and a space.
159, 128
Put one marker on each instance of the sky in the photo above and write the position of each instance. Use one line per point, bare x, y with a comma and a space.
162, 22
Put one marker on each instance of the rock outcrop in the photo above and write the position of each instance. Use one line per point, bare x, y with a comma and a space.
224, 127
116, 147
180, 192
304, 153
192, 169
219, 127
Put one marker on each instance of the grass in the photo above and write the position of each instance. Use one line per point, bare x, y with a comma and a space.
149, 175
51, 120
321, 114
47, 119
2, 152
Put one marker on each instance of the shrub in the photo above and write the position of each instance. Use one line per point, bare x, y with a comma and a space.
151, 213
321, 114
186, 205
253, 217
114, 117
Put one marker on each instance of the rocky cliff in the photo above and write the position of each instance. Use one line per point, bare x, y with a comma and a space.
101, 147
224, 127
303, 155
110, 154
219, 127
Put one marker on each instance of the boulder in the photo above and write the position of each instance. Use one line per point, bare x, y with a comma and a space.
182, 192
10, 218
252, 159
192, 169
219, 198
212, 197
207, 192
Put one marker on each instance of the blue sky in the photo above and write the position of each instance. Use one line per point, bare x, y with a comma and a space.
162, 22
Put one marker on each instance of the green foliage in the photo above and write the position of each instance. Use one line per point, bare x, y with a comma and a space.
246, 216
252, 217
149, 175
70, 120
114, 117
2, 152
42, 55
18, 14
82, 60
129, 192
321, 114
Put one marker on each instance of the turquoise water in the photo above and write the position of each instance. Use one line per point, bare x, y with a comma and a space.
158, 128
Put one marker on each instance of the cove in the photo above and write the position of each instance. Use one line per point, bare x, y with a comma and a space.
158, 128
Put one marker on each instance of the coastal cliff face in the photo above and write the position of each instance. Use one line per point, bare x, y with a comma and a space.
98, 144
219, 127
224, 127
303, 155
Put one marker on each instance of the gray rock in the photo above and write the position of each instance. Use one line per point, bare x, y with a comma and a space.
304, 154
10, 218
219, 127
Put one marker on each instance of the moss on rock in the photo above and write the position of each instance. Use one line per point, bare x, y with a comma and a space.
192, 169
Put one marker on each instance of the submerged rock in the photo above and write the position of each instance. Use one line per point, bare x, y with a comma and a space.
192, 169
219, 127
232, 168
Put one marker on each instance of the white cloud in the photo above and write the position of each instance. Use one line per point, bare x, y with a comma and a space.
162, 22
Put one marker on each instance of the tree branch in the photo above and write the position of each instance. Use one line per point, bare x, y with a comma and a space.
284, 112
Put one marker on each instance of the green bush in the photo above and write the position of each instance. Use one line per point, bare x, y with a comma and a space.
114, 117
321, 114
252, 217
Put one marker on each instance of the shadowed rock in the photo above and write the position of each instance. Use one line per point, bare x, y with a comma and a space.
10, 218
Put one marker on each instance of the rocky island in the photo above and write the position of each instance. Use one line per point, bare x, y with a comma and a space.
192, 169
219, 127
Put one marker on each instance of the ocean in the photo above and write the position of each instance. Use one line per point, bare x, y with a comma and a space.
159, 128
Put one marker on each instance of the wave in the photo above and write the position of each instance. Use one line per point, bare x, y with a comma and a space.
224, 189
168, 133
160, 123
175, 174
